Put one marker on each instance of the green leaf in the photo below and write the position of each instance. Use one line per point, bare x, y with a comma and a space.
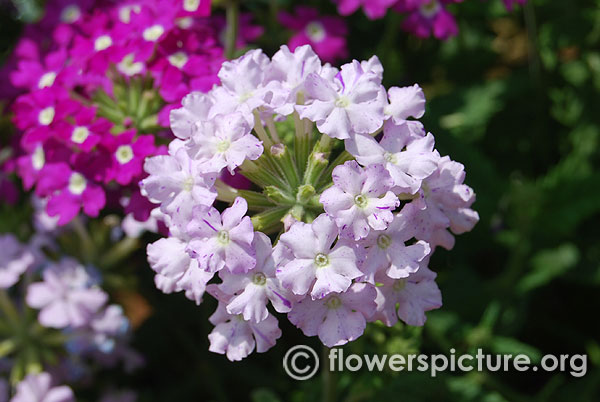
548, 265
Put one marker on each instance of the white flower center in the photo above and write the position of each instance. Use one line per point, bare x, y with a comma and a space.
315, 31
47, 80
130, 67
223, 238
384, 241
125, 13
77, 183
38, 159
191, 5
430, 9
391, 158
399, 285
80, 134
46, 116
321, 260
188, 184
124, 154
259, 279
343, 101
102, 42
246, 96
178, 59
361, 201
70, 14
333, 303
185, 22
223, 146
151, 34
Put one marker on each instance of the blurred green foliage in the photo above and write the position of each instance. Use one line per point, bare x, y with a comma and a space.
514, 98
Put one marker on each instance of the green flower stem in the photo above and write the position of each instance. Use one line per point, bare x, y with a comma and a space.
112, 113
325, 179
302, 144
134, 94
144, 105
315, 202
261, 173
231, 34
149, 124
283, 157
256, 201
54, 338
9, 309
7, 347
269, 221
87, 244
119, 252
305, 193
104, 99
33, 362
297, 212
279, 197
261, 132
18, 371
328, 378
272, 129
317, 163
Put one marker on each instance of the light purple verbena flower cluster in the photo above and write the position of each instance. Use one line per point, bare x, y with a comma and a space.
76, 329
39, 388
337, 169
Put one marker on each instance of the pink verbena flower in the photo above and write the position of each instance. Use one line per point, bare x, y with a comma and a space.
176, 270
373, 9
352, 103
427, 17
338, 318
387, 251
68, 192
509, 4
14, 260
404, 103
38, 388
223, 240
325, 34
444, 202
290, 68
316, 267
67, 296
408, 298
360, 199
407, 161
237, 338
251, 291
178, 182
242, 86
225, 142
128, 152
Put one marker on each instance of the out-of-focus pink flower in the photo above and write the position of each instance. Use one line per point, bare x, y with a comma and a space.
510, 3
326, 34
373, 9
427, 17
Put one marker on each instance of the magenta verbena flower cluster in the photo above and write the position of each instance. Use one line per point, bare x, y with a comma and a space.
423, 18
77, 328
331, 165
99, 79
